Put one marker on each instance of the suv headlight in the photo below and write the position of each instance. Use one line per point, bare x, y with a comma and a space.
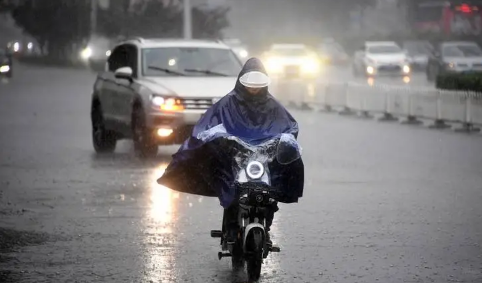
4, 68
166, 103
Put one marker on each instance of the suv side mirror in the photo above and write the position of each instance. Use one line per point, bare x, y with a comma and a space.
124, 73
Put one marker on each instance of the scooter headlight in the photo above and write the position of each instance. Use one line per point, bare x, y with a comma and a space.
255, 170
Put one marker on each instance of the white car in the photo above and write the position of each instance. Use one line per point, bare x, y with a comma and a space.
238, 47
291, 61
381, 58
154, 91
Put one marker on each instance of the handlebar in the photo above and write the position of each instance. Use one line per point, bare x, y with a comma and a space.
256, 194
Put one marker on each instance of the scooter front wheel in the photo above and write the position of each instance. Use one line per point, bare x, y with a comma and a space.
254, 268
255, 260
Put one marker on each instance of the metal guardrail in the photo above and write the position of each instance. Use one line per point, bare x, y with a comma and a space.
389, 102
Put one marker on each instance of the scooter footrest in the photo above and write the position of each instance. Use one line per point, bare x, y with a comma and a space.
216, 234
221, 255
274, 249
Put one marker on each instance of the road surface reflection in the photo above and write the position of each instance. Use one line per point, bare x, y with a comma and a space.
160, 237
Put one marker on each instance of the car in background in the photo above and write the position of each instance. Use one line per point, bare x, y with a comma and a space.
239, 48
454, 57
94, 55
332, 53
292, 61
418, 52
6, 64
377, 58
23, 48
155, 90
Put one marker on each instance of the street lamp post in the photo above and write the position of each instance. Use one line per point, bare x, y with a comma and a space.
93, 17
187, 19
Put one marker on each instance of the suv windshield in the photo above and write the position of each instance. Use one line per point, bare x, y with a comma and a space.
462, 50
384, 49
189, 61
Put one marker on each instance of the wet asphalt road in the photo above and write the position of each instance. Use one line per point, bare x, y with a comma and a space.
383, 202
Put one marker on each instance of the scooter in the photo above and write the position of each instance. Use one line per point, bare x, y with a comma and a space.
254, 200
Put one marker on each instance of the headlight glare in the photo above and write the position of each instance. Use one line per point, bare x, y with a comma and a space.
274, 65
406, 69
86, 53
255, 170
243, 53
4, 69
166, 103
310, 66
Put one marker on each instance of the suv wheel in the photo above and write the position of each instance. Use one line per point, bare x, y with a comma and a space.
143, 140
104, 140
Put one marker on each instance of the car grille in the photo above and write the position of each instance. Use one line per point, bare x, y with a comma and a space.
197, 104
390, 68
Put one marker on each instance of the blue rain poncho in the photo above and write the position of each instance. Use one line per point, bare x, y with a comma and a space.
203, 166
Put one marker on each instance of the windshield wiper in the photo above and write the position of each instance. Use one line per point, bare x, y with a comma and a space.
169, 71
208, 72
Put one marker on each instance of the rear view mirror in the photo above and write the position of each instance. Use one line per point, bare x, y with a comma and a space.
124, 73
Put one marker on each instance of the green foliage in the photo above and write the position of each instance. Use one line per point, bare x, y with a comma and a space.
460, 81
64, 25
155, 19
57, 23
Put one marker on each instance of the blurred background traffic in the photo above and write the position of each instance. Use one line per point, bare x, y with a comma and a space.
331, 38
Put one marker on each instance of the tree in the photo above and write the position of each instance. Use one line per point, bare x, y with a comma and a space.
159, 19
337, 11
57, 24
209, 23
5, 6
64, 25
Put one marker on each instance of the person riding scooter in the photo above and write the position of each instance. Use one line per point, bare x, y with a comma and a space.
252, 114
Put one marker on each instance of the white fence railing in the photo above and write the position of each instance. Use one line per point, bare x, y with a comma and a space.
389, 102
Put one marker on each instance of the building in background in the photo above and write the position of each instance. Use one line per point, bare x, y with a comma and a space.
452, 17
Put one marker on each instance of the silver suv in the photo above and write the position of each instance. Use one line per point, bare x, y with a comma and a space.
154, 91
